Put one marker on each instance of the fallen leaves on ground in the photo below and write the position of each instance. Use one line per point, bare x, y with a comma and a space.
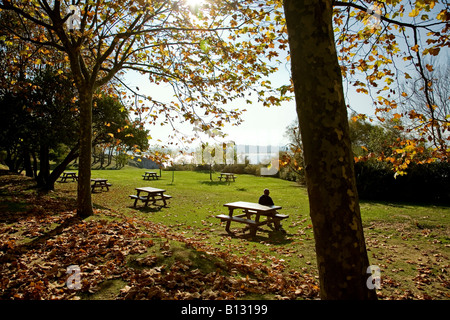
100, 248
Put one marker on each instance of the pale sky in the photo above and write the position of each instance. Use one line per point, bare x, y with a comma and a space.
261, 125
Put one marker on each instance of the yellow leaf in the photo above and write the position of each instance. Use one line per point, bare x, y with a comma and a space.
414, 13
442, 15
111, 135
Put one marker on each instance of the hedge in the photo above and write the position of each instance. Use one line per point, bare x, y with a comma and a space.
428, 183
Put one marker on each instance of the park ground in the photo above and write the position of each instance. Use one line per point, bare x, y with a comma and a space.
183, 252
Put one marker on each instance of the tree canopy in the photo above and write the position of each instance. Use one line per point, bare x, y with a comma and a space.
381, 45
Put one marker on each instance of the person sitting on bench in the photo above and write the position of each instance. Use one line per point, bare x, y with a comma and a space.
265, 199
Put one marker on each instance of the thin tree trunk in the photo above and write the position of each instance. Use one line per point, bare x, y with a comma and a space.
334, 206
44, 164
27, 164
73, 154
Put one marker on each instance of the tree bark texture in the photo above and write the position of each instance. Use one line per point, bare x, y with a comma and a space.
84, 198
334, 206
44, 164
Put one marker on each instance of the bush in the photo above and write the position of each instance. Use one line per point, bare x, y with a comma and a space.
253, 169
287, 173
234, 168
422, 183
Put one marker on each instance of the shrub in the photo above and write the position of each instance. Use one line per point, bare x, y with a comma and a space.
422, 183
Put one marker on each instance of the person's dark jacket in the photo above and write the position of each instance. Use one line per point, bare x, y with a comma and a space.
265, 200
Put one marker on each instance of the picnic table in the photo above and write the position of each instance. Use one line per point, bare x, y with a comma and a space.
69, 175
227, 176
252, 209
150, 195
99, 183
150, 174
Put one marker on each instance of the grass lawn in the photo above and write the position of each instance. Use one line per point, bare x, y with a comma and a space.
410, 243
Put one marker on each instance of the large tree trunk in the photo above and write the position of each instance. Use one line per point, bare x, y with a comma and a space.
84, 204
334, 206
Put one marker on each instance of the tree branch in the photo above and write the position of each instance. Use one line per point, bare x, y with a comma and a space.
402, 24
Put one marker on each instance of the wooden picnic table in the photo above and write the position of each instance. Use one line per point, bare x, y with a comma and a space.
100, 183
250, 209
227, 176
150, 195
150, 174
68, 175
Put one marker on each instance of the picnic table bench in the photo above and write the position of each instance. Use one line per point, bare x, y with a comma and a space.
68, 175
150, 174
151, 195
99, 183
227, 176
252, 209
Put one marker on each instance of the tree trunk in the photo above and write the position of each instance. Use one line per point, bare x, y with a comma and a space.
13, 161
35, 165
110, 156
27, 164
44, 164
334, 206
84, 199
73, 154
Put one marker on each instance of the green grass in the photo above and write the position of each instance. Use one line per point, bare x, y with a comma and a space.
197, 200
401, 238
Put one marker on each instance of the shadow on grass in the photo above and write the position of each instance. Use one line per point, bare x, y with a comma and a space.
215, 183
38, 241
404, 203
20, 198
271, 236
148, 209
